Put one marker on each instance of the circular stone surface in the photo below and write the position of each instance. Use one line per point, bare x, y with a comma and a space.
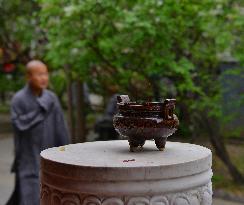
111, 160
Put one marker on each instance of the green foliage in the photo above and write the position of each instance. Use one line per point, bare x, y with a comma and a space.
19, 39
19, 26
139, 46
58, 82
8, 83
127, 42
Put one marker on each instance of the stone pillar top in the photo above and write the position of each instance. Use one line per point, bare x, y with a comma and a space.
112, 161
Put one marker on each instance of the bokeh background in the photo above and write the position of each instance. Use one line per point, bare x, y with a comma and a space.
149, 49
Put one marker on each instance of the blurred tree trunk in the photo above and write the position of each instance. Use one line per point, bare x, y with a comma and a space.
154, 81
71, 112
70, 103
80, 117
60, 97
3, 97
155, 90
219, 146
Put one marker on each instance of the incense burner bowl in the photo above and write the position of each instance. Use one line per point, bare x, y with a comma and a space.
145, 121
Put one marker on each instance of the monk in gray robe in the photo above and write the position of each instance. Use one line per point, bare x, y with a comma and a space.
38, 123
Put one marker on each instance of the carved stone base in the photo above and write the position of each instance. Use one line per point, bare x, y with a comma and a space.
199, 196
106, 173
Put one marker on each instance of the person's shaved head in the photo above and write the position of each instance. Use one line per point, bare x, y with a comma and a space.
34, 64
37, 74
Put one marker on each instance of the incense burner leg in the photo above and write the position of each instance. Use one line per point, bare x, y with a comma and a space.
136, 144
160, 143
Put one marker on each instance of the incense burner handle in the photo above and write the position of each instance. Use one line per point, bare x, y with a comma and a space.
123, 99
168, 109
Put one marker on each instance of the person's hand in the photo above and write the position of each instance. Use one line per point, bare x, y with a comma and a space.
45, 101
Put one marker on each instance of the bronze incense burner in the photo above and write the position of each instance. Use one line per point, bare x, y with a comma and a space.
145, 121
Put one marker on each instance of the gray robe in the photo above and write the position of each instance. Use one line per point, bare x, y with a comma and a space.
38, 124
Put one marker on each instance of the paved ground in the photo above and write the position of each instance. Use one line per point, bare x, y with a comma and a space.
7, 179
222, 202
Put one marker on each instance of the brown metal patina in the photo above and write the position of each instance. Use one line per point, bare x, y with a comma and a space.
144, 121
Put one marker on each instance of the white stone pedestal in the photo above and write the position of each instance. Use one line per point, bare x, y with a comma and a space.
106, 173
